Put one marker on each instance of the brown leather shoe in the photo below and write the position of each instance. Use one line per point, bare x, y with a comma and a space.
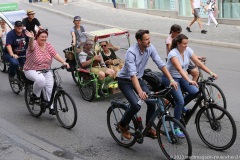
151, 133
124, 132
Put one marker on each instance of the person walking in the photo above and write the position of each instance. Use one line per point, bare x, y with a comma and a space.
114, 4
211, 7
65, 2
30, 22
196, 5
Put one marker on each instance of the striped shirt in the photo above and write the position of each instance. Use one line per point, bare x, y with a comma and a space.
37, 59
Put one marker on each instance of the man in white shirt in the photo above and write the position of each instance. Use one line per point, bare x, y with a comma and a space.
196, 5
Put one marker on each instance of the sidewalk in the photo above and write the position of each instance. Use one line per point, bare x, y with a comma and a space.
97, 14
16, 144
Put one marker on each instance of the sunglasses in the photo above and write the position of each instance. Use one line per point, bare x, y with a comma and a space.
103, 45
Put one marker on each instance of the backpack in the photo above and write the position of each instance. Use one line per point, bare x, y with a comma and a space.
153, 79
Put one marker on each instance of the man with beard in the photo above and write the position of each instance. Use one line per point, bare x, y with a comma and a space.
130, 80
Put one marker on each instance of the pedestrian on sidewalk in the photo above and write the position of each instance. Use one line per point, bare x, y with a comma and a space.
65, 2
196, 5
114, 3
30, 22
211, 7
50, 3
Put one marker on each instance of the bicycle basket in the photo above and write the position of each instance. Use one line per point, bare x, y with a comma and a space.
69, 53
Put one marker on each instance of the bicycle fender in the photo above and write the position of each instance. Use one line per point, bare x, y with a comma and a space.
120, 103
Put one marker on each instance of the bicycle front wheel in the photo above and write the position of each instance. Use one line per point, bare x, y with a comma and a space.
2, 62
173, 147
215, 93
114, 115
15, 85
66, 110
34, 109
218, 134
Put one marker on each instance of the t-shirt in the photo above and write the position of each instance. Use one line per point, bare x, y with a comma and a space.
30, 25
211, 4
80, 36
168, 41
184, 62
37, 59
19, 43
83, 57
196, 4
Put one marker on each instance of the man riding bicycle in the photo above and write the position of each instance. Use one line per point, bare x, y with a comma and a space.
130, 80
15, 49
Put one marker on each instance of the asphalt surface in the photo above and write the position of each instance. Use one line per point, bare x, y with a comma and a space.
15, 144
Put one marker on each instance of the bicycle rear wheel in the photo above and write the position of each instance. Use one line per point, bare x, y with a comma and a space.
178, 148
218, 134
34, 109
114, 115
214, 92
66, 110
87, 87
74, 76
2, 62
15, 85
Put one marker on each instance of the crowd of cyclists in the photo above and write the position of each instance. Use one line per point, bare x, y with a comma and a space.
28, 48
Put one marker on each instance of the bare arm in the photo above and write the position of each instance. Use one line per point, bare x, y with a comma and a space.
168, 75
31, 40
199, 64
73, 38
114, 48
168, 46
192, 6
178, 66
59, 59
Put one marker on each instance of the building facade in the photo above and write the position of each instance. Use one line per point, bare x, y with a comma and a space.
228, 9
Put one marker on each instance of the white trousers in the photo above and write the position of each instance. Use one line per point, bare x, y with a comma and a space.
211, 17
41, 81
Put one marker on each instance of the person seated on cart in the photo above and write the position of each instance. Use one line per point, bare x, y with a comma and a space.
110, 58
92, 62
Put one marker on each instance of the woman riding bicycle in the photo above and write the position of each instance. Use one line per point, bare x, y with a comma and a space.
38, 57
177, 63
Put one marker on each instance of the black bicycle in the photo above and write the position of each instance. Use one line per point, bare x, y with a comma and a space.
17, 85
63, 104
215, 125
171, 145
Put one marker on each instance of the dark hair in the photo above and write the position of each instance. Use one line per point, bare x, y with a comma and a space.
40, 31
139, 34
175, 28
177, 40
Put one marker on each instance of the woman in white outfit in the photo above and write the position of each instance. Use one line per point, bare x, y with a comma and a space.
211, 7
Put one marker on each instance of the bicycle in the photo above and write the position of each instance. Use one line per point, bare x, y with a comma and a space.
18, 84
213, 90
170, 144
209, 116
63, 104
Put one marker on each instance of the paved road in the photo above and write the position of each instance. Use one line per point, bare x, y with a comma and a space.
26, 137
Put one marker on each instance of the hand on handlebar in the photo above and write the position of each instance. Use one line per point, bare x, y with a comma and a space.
15, 56
66, 64
174, 84
193, 83
143, 95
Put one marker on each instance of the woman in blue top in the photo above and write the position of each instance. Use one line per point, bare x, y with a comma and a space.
177, 63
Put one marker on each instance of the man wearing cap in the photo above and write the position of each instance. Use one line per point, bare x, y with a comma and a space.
30, 21
78, 37
15, 49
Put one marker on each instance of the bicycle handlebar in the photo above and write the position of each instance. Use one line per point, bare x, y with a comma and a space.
52, 69
163, 92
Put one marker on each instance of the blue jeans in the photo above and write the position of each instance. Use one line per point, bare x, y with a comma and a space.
114, 3
177, 94
128, 91
14, 63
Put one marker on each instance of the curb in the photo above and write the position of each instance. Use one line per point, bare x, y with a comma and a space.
205, 42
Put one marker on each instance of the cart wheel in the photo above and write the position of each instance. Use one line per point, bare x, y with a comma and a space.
74, 74
87, 87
